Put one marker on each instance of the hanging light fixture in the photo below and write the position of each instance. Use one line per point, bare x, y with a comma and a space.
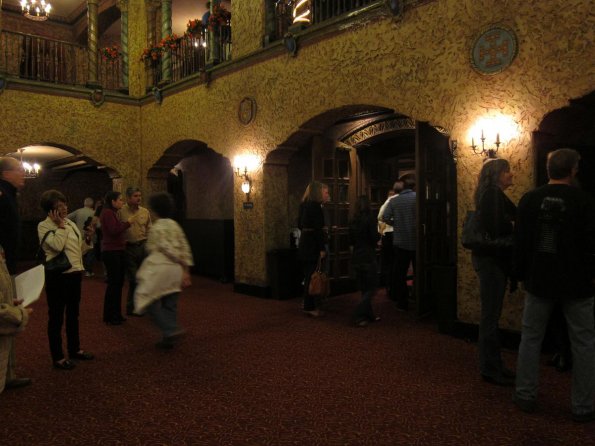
38, 10
31, 170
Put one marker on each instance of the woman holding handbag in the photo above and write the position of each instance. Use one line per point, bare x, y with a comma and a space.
493, 265
312, 246
58, 234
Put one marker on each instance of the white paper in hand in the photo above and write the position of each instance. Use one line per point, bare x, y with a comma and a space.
29, 284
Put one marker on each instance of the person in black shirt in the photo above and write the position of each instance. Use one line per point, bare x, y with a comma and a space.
554, 247
496, 214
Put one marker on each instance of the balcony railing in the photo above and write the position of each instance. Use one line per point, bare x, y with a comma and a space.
191, 56
41, 59
321, 10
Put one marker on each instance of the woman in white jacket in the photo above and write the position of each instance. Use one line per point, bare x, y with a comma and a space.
165, 270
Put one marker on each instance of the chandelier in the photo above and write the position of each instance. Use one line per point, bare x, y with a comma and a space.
31, 170
38, 10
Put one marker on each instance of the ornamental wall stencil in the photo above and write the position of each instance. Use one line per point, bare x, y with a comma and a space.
494, 50
379, 128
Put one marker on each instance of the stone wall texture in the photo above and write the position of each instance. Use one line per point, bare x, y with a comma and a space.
417, 65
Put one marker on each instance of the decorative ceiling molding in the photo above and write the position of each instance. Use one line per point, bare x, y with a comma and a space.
379, 128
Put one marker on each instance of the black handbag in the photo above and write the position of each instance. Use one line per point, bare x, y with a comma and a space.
475, 238
55, 265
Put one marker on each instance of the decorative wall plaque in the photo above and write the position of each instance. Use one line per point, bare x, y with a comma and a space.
494, 50
247, 110
97, 97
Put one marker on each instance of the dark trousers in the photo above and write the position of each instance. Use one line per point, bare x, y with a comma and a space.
492, 288
115, 264
387, 255
367, 279
135, 255
403, 258
309, 301
63, 293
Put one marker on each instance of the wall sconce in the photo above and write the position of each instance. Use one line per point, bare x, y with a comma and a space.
501, 129
488, 153
243, 164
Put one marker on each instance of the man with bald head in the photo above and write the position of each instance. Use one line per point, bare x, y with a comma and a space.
12, 178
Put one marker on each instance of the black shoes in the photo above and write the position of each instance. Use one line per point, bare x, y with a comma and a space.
583, 417
82, 356
64, 365
17, 382
501, 380
527, 406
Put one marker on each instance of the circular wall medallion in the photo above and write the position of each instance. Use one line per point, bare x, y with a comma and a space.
97, 97
494, 50
247, 110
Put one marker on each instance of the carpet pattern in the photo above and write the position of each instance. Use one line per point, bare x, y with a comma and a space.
257, 372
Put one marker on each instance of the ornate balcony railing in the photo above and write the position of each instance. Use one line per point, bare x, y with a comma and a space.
191, 56
320, 11
41, 59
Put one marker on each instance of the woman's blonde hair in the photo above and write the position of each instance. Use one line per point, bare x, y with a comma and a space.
314, 191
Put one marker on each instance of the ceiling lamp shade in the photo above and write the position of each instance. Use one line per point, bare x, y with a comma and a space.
38, 10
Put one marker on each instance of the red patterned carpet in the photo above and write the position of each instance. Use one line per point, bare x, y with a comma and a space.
256, 372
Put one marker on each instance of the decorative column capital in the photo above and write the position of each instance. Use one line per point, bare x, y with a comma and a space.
93, 2
122, 5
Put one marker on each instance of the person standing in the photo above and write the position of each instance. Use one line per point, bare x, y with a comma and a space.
400, 213
387, 250
58, 233
363, 237
83, 218
312, 246
554, 248
12, 178
136, 237
493, 266
114, 256
165, 271
13, 320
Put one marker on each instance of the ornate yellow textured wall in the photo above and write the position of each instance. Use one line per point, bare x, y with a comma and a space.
419, 66
107, 134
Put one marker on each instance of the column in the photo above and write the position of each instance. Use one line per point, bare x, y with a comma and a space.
213, 42
165, 31
92, 38
123, 7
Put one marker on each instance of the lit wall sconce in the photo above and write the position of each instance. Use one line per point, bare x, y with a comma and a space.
490, 134
488, 153
244, 164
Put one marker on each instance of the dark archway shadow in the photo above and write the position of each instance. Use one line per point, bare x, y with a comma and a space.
201, 183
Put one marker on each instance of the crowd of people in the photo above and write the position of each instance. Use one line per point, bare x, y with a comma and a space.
547, 243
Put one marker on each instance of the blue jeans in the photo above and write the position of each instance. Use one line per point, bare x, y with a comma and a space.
492, 287
581, 330
164, 312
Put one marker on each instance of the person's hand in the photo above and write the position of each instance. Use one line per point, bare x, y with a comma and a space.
29, 310
186, 279
56, 218
322, 254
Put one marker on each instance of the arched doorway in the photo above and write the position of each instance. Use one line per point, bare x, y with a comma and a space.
363, 150
571, 127
201, 182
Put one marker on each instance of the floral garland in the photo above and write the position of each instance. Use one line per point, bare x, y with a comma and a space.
171, 41
152, 53
194, 28
219, 17
110, 53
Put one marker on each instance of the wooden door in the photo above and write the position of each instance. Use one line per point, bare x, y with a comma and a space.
435, 278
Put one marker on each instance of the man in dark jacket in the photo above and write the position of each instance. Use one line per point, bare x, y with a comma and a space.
12, 178
554, 241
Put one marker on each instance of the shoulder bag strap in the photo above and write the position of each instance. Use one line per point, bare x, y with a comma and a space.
40, 256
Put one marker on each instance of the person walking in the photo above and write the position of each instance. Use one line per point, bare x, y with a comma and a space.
165, 270
364, 237
312, 246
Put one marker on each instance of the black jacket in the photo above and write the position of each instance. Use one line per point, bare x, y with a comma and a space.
313, 237
10, 224
555, 242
